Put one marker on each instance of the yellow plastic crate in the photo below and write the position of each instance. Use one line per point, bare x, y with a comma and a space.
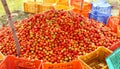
49, 1
63, 3
64, 7
96, 59
46, 7
59, 7
31, 7
40, 8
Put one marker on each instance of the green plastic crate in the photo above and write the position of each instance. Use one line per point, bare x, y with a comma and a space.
113, 61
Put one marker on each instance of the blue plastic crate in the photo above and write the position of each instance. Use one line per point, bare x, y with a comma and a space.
113, 61
103, 17
99, 16
104, 8
93, 15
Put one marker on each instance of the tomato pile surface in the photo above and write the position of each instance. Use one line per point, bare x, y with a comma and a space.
56, 36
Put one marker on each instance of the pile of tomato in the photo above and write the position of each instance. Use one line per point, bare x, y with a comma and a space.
56, 36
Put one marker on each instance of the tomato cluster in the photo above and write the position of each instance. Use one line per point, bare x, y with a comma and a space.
56, 36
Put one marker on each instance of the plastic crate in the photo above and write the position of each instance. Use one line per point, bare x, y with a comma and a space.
25, 7
49, 1
75, 1
113, 22
75, 10
81, 12
115, 46
1, 56
118, 30
119, 16
119, 13
85, 14
40, 8
70, 65
86, 6
64, 7
31, 7
12, 62
85, 66
113, 60
103, 17
93, 15
96, 59
46, 7
63, 2
104, 8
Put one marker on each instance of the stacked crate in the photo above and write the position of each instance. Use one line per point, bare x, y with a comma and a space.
101, 10
63, 4
84, 10
37, 7
31, 7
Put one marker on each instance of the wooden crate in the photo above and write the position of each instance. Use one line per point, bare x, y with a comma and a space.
96, 59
